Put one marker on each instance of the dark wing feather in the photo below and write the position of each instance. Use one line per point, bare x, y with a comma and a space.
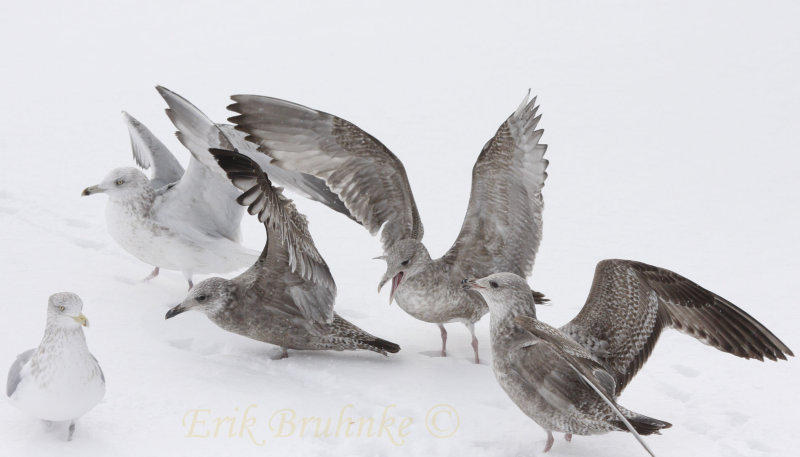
282, 219
366, 176
630, 303
503, 225
149, 151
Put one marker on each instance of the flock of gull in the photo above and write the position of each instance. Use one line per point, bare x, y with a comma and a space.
566, 379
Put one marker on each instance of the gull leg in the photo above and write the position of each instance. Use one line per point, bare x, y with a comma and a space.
151, 275
188, 276
549, 443
280, 355
284, 353
71, 430
471, 328
568, 437
444, 340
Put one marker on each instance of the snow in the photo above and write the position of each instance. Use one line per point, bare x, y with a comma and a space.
672, 132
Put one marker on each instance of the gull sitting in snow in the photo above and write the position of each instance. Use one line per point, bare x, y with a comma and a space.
186, 221
60, 380
501, 230
567, 379
286, 298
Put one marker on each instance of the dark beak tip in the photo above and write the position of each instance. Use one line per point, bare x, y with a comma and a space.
173, 312
85, 193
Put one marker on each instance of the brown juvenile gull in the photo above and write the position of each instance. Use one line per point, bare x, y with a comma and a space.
567, 379
501, 230
286, 298
60, 380
186, 221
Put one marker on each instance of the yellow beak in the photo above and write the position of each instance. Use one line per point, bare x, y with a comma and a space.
81, 319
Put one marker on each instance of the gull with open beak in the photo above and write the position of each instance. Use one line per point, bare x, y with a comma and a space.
60, 380
501, 230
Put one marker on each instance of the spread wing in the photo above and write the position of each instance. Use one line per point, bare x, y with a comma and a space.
630, 303
365, 175
14, 373
149, 151
290, 252
503, 225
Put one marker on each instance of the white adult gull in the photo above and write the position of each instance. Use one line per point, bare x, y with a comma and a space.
286, 298
186, 221
60, 380
501, 230
567, 379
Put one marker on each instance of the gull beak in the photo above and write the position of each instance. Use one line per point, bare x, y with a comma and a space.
81, 319
174, 311
380, 257
470, 284
91, 190
395, 283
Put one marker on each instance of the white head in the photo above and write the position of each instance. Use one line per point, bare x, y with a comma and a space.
504, 293
64, 310
209, 296
121, 184
406, 258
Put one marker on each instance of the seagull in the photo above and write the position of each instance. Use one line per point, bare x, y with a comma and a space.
568, 379
501, 230
286, 298
186, 221
60, 380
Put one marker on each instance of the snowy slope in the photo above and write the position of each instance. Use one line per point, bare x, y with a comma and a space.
673, 140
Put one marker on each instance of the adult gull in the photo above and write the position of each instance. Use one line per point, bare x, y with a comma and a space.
286, 298
60, 380
501, 230
568, 379
186, 220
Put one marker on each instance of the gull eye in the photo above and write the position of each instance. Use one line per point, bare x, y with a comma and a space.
119, 182
201, 298
404, 263
61, 308
493, 284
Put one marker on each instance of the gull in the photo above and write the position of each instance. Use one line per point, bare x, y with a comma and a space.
286, 298
60, 380
501, 230
186, 221
567, 379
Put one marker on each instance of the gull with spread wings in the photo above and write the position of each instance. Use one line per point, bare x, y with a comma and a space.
502, 228
187, 221
567, 379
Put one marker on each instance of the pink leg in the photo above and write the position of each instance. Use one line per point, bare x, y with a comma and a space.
568, 437
444, 340
549, 443
151, 275
471, 328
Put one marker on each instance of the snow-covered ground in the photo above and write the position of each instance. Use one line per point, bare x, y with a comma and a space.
673, 140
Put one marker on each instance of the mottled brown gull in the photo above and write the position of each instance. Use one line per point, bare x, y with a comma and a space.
286, 298
567, 379
501, 230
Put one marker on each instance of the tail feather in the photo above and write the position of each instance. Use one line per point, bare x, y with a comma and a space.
644, 425
539, 297
355, 338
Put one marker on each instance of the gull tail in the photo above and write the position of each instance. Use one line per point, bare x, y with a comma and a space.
348, 336
643, 425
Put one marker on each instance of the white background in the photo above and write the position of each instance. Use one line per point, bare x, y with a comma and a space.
673, 140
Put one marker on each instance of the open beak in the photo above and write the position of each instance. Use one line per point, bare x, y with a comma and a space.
470, 284
81, 319
91, 190
174, 311
395, 283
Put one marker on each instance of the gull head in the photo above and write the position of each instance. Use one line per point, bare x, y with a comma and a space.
210, 296
64, 309
120, 184
406, 258
503, 292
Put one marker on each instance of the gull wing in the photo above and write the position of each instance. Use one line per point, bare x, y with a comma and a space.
149, 151
630, 303
366, 176
503, 225
14, 373
290, 260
